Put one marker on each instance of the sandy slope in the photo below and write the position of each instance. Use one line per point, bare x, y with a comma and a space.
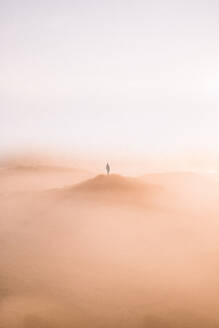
28, 178
107, 252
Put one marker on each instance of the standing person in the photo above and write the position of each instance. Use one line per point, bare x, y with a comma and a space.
107, 168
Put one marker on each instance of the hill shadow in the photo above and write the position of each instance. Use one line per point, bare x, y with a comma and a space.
114, 189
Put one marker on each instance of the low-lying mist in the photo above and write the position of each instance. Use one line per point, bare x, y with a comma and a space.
110, 251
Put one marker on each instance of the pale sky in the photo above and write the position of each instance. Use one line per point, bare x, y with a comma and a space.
110, 77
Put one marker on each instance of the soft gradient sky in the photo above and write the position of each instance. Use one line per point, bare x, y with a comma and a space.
129, 78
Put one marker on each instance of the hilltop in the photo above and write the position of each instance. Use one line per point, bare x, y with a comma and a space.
113, 189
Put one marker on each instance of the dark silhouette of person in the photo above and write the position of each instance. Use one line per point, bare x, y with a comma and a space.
108, 168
